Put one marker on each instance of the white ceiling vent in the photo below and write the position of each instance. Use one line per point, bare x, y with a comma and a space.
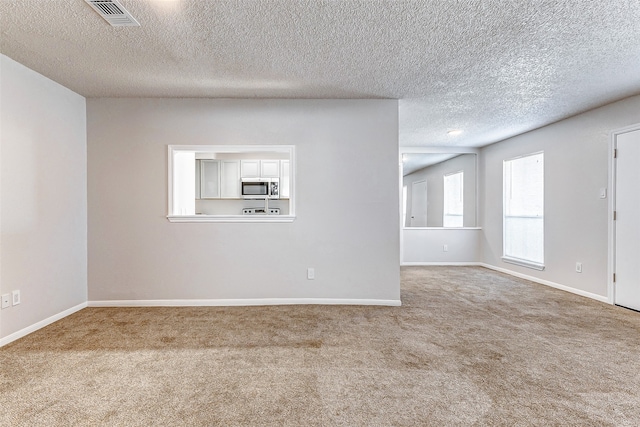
113, 13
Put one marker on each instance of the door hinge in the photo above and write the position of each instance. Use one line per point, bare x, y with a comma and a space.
615, 215
614, 277
615, 153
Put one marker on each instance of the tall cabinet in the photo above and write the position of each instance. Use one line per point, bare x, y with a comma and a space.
209, 179
217, 179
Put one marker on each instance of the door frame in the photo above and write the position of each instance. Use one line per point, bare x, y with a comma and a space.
611, 262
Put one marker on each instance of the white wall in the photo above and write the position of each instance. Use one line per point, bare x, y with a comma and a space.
43, 215
347, 232
434, 175
426, 246
422, 246
576, 168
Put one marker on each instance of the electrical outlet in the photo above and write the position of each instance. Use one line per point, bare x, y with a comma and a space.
16, 297
578, 267
445, 248
6, 300
311, 273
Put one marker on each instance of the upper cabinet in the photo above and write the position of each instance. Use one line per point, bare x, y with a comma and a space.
229, 179
250, 168
209, 179
270, 168
260, 168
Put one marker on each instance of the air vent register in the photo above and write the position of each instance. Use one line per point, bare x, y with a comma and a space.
113, 13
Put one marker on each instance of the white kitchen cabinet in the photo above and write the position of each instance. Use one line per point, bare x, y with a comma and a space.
209, 179
260, 168
220, 179
250, 168
285, 180
230, 179
270, 168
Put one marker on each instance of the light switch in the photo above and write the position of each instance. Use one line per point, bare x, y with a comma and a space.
603, 193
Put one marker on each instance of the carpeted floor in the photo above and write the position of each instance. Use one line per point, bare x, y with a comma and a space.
469, 346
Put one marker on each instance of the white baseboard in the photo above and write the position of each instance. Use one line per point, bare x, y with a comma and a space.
462, 264
548, 283
41, 324
240, 302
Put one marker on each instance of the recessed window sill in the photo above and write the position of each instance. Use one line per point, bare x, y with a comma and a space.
231, 218
523, 263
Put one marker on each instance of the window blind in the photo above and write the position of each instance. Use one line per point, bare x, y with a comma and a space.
453, 200
523, 209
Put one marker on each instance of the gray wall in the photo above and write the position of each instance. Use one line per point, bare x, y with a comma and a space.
347, 232
576, 168
426, 246
435, 189
422, 246
43, 211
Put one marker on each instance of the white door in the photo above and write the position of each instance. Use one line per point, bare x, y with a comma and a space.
419, 204
627, 224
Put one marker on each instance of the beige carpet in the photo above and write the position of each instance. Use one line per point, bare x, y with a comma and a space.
468, 347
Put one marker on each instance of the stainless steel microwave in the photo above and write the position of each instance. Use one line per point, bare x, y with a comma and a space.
260, 188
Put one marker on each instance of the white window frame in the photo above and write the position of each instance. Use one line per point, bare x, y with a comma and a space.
533, 264
173, 149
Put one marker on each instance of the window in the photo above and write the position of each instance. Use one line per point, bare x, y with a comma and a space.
209, 183
523, 211
453, 200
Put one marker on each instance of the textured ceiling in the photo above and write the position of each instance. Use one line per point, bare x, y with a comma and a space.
494, 68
